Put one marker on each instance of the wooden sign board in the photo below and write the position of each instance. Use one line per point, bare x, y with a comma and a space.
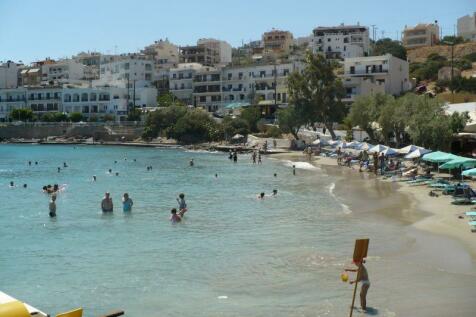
360, 250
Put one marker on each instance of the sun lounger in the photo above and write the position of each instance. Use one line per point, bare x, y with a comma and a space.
464, 201
472, 224
471, 215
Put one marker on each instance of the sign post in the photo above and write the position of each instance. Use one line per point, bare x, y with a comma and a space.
360, 253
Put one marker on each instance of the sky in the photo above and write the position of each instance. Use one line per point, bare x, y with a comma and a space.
34, 29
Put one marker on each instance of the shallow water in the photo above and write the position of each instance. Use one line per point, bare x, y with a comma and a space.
233, 255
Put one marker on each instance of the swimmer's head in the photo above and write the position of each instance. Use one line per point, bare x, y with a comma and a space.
11, 183
275, 191
25, 185
275, 175
45, 188
261, 195
55, 187
173, 211
182, 196
126, 195
107, 194
117, 174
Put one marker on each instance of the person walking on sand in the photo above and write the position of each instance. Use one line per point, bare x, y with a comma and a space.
127, 203
382, 163
106, 203
364, 279
375, 157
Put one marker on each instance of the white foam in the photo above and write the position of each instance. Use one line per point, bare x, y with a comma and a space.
301, 165
345, 208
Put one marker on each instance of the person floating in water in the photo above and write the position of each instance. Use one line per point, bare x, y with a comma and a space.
12, 184
182, 204
106, 203
36, 163
174, 217
64, 164
261, 196
117, 173
25, 185
127, 203
191, 162
275, 192
52, 206
275, 175
110, 171
216, 175
29, 163
364, 279
59, 169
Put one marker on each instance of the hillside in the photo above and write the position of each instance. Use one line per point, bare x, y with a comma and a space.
419, 55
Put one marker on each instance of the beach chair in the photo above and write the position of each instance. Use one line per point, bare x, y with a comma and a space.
471, 215
472, 224
14, 309
78, 312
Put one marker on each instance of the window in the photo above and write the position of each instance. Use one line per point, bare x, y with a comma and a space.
126, 66
47, 95
148, 76
203, 99
229, 76
262, 73
346, 40
352, 69
174, 75
242, 97
232, 97
75, 98
329, 39
148, 67
240, 75
67, 98
92, 96
84, 97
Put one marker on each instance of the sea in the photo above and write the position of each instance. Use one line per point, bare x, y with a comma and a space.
232, 255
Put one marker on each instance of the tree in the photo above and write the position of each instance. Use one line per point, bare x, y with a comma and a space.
163, 120
168, 99
196, 126
363, 113
134, 114
76, 117
252, 115
316, 93
22, 114
389, 46
233, 126
290, 121
452, 39
458, 121
54, 117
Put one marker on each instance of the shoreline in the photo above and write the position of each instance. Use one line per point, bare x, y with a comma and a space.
434, 215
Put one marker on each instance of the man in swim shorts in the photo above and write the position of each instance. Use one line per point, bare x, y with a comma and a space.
106, 203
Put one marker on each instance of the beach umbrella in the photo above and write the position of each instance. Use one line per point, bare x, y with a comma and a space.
353, 145
460, 162
365, 146
333, 142
408, 149
238, 136
378, 148
389, 152
471, 172
439, 157
417, 153
320, 142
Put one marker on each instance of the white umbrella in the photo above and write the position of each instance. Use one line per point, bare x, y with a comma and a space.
417, 153
408, 149
378, 148
238, 136
389, 152
365, 146
333, 143
353, 145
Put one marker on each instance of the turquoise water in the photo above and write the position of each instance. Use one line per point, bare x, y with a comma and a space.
232, 256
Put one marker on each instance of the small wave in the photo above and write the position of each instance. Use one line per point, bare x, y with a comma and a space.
345, 208
201, 151
301, 165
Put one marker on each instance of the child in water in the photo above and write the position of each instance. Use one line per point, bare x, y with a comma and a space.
182, 205
52, 206
127, 203
174, 217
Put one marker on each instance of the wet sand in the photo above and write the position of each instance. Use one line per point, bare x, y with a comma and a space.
431, 269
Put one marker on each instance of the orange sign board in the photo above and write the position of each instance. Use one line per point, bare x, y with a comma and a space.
360, 249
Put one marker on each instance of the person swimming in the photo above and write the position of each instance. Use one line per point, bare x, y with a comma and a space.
64, 164
59, 169
106, 203
261, 196
275, 175
36, 163
127, 203
29, 163
110, 171
55, 188
94, 178
182, 204
174, 217
117, 173
275, 192
25, 185
216, 175
12, 184
52, 206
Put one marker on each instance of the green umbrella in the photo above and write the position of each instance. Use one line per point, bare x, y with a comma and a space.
439, 157
471, 172
459, 163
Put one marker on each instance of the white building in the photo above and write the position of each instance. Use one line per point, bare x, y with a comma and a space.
467, 27
344, 41
10, 99
44, 99
9, 73
132, 70
63, 71
208, 52
367, 75
222, 47
181, 81
164, 53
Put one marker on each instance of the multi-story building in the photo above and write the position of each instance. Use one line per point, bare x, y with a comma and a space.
127, 71
277, 41
11, 99
421, 35
62, 71
208, 52
164, 53
207, 92
367, 75
44, 99
467, 27
339, 42
9, 75
181, 81
91, 60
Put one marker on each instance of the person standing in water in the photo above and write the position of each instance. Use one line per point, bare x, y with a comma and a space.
253, 156
191, 162
52, 206
127, 203
364, 279
94, 178
294, 170
259, 158
235, 156
106, 203
182, 204
174, 217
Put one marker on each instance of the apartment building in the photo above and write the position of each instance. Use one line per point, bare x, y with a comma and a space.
126, 70
421, 35
91, 60
208, 52
368, 75
62, 71
339, 42
11, 98
467, 27
207, 93
164, 53
277, 41
9, 75
181, 81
